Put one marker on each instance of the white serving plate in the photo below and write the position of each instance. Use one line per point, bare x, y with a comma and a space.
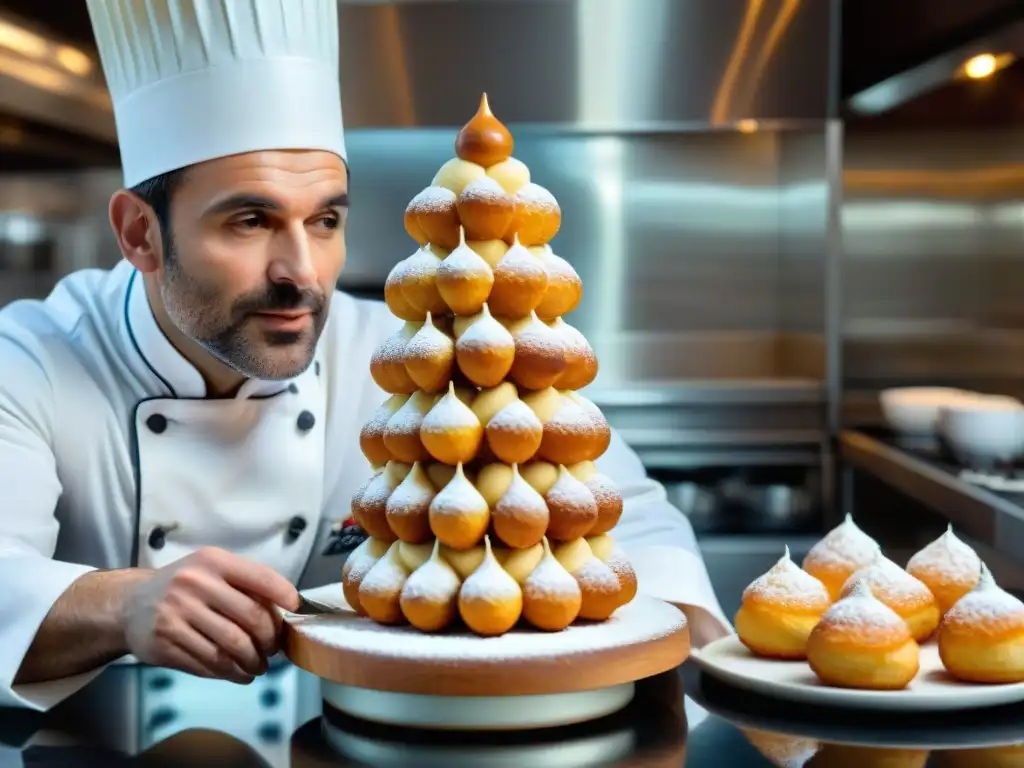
933, 690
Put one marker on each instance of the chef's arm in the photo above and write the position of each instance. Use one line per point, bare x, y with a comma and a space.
661, 544
84, 629
31, 582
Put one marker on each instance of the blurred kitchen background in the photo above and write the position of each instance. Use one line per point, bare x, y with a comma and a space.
779, 208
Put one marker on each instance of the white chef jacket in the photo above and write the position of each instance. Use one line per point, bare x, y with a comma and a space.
110, 457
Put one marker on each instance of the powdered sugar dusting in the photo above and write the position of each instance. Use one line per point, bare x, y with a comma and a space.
412, 496
570, 420
643, 619
459, 497
537, 197
449, 413
587, 405
429, 344
516, 417
889, 582
380, 418
619, 563
948, 560
380, 489
392, 349
521, 502
550, 581
846, 545
596, 576
558, 269
535, 340
357, 497
862, 610
362, 559
433, 200
987, 605
576, 343
486, 190
409, 417
519, 266
570, 494
434, 581
485, 334
490, 582
787, 584
422, 266
463, 264
605, 492
387, 575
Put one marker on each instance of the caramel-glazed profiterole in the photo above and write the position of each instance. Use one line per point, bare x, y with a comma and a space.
486, 509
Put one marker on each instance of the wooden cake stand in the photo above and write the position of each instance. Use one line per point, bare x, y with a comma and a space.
457, 680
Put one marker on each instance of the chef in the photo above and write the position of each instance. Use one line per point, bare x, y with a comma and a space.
179, 435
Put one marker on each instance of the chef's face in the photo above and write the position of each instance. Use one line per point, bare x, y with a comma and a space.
255, 247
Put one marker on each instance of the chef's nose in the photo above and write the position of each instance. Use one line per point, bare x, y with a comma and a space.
292, 260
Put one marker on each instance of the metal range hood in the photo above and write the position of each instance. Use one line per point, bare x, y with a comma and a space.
586, 65
590, 65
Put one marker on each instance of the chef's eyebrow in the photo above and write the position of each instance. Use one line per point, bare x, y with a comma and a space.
247, 201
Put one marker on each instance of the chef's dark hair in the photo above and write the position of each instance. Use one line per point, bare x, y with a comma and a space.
157, 194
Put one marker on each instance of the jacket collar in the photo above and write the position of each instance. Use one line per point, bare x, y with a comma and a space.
177, 374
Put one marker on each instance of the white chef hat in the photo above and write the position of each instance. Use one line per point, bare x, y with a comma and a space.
195, 80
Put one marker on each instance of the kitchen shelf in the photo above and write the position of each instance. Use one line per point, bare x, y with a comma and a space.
994, 518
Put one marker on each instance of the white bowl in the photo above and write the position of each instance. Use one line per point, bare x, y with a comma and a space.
984, 429
915, 410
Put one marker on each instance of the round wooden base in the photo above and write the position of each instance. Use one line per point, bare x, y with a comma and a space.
523, 679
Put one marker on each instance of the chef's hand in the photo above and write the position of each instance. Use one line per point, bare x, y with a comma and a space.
211, 614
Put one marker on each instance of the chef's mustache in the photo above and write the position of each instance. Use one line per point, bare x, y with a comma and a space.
280, 296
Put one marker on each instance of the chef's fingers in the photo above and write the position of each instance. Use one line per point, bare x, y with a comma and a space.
185, 648
252, 616
229, 639
257, 579
174, 657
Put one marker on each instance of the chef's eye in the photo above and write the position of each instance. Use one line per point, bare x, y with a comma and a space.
330, 222
251, 220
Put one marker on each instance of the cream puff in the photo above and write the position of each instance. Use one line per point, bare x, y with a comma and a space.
906, 595
861, 642
981, 638
484, 140
844, 550
948, 567
779, 610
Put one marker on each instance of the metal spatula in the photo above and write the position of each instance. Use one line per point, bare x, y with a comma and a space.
309, 607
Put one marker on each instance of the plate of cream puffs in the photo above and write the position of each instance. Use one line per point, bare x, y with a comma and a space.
851, 628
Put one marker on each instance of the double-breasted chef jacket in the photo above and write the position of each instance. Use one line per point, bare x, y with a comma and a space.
111, 456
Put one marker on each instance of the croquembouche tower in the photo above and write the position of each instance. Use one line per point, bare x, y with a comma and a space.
486, 508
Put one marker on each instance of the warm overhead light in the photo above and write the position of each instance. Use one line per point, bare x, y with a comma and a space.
746, 126
15, 38
985, 64
34, 74
982, 65
39, 50
73, 60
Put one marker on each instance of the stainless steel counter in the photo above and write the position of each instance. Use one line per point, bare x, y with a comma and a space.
994, 518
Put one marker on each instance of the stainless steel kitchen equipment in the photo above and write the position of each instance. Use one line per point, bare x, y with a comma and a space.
760, 254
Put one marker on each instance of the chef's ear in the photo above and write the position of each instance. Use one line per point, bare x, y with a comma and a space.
137, 230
